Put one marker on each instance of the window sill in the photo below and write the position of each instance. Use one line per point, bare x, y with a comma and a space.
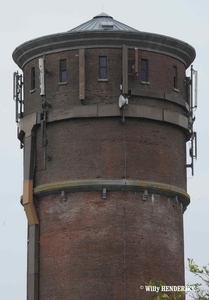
63, 83
145, 82
102, 80
176, 90
32, 91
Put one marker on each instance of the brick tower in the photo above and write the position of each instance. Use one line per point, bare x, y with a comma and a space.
104, 123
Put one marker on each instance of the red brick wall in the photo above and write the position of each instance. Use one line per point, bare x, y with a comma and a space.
103, 148
92, 248
161, 73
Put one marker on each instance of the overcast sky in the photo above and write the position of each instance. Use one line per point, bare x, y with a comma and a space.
22, 20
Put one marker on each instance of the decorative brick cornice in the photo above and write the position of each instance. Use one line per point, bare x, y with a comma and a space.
97, 39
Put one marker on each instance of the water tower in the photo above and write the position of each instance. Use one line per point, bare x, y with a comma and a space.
104, 113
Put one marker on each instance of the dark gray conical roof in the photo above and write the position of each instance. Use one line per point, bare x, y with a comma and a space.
103, 22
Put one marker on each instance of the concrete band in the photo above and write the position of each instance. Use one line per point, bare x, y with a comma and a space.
109, 110
123, 185
158, 95
112, 110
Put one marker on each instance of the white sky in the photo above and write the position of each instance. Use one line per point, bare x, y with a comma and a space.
23, 20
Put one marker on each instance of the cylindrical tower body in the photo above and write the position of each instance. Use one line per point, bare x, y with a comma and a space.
104, 181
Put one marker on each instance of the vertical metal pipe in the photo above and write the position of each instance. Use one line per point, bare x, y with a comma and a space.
195, 89
16, 95
136, 63
125, 69
21, 98
81, 74
33, 263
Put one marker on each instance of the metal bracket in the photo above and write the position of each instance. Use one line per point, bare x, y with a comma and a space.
63, 195
48, 72
175, 201
145, 194
104, 193
123, 121
193, 151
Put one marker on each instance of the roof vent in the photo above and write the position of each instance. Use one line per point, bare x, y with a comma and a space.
107, 25
103, 22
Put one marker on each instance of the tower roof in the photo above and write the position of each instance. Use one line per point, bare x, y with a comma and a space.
103, 22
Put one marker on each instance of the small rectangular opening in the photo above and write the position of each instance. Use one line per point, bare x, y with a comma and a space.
63, 70
175, 77
33, 79
144, 70
103, 67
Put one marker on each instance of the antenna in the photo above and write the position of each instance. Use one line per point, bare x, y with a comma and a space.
192, 106
194, 78
18, 95
42, 81
122, 101
195, 88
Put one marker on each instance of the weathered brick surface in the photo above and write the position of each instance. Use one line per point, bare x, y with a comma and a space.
103, 148
90, 248
94, 249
